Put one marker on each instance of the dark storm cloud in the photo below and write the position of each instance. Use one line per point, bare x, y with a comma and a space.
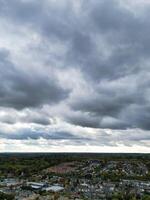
111, 27
98, 121
125, 36
106, 41
20, 89
97, 24
116, 104
83, 119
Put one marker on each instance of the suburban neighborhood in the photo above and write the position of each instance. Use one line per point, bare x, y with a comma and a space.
84, 179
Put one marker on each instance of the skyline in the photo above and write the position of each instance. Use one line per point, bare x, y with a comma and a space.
75, 76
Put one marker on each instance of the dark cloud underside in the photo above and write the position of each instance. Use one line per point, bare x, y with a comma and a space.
21, 89
85, 63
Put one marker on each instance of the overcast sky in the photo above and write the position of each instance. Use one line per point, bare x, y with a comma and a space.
75, 75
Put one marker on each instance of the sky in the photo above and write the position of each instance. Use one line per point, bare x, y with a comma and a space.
75, 76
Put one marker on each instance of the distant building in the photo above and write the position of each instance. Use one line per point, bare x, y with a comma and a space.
54, 188
35, 185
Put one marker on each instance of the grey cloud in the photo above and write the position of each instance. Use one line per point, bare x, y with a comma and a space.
43, 16
13, 117
98, 121
38, 120
105, 41
127, 53
35, 116
98, 24
20, 89
138, 116
83, 119
101, 138
116, 104
26, 134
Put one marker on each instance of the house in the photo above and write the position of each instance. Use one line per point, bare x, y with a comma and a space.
35, 185
54, 188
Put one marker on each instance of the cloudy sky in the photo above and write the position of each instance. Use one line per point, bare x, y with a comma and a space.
75, 75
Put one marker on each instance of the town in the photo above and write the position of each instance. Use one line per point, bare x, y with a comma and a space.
77, 177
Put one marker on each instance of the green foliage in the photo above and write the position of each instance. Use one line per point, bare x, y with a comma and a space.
29, 164
118, 196
146, 197
4, 196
